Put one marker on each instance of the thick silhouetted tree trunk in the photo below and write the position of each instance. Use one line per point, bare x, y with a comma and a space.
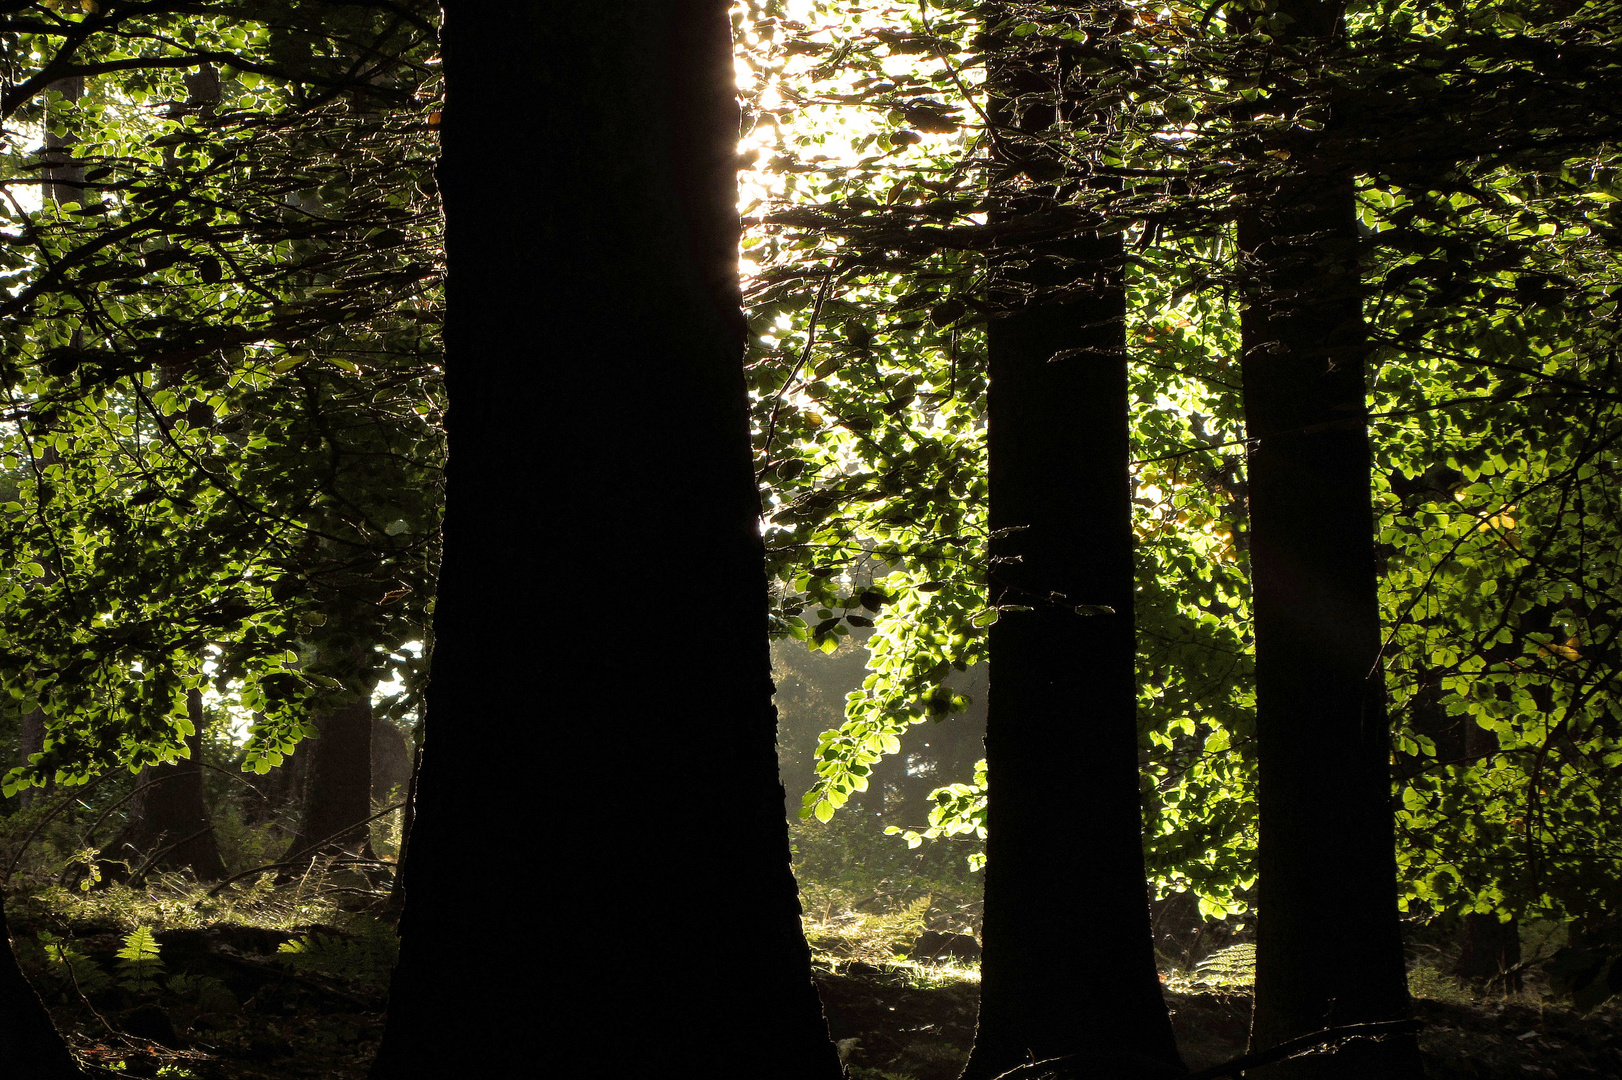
1065, 844
599, 465
337, 791
171, 828
29, 1043
1328, 944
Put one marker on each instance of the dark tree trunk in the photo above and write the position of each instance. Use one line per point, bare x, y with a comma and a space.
599, 460
391, 763
281, 788
63, 182
30, 1046
1489, 947
1328, 944
171, 828
1065, 844
1490, 951
31, 740
338, 789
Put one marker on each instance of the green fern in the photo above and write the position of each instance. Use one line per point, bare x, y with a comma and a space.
139, 963
70, 968
366, 956
209, 995
1234, 966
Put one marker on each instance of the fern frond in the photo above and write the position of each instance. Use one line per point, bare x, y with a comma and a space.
139, 961
1231, 967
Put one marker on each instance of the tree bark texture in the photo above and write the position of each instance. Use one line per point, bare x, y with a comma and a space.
1328, 944
1065, 829
171, 829
599, 466
30, 1045
338, 788
1064, 821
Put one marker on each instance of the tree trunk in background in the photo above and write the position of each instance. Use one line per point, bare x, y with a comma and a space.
64, 180
281, 788
63, 183
31, 740
1328, 941
1490, 950
169, 819
1064, 822
30, 1046
338, 789
599, 459
391, 763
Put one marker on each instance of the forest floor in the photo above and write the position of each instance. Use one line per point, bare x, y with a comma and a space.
235, 1001
923, 1032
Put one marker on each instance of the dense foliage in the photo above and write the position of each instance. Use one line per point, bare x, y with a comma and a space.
221, 431
1485, 186
220, 366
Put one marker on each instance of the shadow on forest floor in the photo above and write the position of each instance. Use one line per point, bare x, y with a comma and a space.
904, 1031
230, 1001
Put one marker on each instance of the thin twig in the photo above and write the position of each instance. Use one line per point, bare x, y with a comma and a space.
810, 341
296, 860
71, 798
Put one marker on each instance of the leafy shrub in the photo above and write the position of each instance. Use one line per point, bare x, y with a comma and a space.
366, 955
1426, 980
868, 937
63, 965
850, 864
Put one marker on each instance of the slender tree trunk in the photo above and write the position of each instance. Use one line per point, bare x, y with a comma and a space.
1065, 845
1490, 951
64, 179
63, 182
1328, 944
31, 740
281, 788
391, 762
338, 790
599, 458
171, 823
